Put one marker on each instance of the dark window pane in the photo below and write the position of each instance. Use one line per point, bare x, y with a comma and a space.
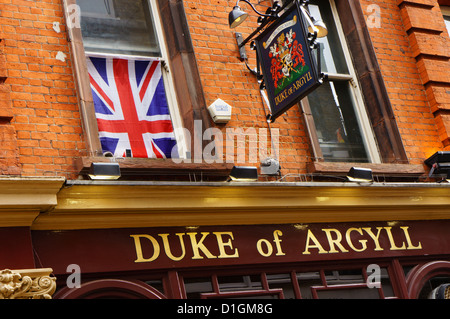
332, 55
119, 27
336, 123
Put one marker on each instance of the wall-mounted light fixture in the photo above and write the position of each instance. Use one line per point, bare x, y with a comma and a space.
104, 171
446, 177
318, 26
360, 175
439, 163
274, 21
237, 15
244, 174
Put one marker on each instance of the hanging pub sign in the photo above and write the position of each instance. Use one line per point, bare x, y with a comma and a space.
289, 68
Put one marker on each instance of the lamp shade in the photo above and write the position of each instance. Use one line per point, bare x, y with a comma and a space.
323, 31
357, 174
438, 158
236, 17
104, 171
244, 173
320, 27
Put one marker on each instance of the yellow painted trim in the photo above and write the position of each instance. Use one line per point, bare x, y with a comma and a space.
13, 218
22, 199
156, 205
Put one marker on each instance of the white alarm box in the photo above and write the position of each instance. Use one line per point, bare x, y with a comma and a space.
220, 111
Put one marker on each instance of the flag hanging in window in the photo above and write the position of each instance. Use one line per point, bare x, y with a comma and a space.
131, 107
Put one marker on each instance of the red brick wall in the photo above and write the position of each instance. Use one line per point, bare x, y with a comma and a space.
46, 118
225, 76
40, 125
430, 48
403, 69
396, 56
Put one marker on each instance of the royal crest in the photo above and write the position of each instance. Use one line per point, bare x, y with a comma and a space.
287, 60
288, 66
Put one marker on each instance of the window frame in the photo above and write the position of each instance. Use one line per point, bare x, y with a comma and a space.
446, 13
85, 95
370, 143
188, 90
374, 94
391, 285
169, 81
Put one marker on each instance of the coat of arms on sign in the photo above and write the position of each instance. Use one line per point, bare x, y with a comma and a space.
287, 62
287, 59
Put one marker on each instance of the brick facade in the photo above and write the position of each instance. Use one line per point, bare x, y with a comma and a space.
430, 46
403, 82
45, 125
53, 216
40, 123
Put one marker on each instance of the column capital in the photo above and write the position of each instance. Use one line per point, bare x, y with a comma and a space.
27, 284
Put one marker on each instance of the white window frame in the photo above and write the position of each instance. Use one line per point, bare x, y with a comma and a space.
169, 84
367, 133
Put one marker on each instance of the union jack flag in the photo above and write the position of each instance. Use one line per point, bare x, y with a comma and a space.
131, 107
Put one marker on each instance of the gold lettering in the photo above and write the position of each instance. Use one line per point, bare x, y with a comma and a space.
317, 245
375, 238
196, 246
281, 97
268, 245
408, 239
295, 86
391, 240
167, 246
222, 245
277, 241
337, 241
139, 254
349, 240
302, 81
308, 76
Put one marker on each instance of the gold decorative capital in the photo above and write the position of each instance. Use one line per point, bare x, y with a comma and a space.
27, 284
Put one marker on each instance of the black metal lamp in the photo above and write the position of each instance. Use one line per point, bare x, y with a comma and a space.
244, 173
360, 175
104, 171
319, 27
448, 176
439, 163
237, 15
316, 28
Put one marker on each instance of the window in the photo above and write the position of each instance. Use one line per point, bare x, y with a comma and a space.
293, 284
357, 96
341, 126
113, 27
131, 84
446, 13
